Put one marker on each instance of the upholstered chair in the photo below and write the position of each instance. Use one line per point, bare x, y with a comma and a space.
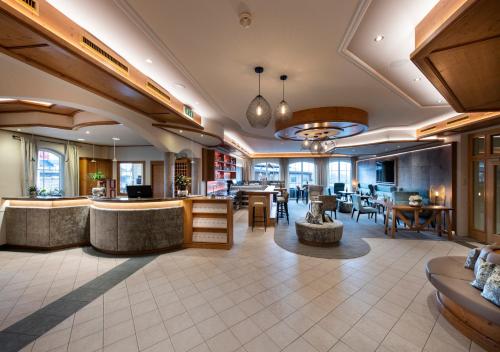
357, 205
329, 204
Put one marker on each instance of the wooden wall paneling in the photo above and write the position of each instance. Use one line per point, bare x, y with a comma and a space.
86, 167
158, 178
461, 57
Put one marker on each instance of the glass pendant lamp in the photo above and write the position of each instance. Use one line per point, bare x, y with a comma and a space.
283, 111
306, 144
259, 110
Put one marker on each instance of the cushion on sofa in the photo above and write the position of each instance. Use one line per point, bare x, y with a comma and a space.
493, 257
470, 261
449, 266
462, 293
483, 272
491, 289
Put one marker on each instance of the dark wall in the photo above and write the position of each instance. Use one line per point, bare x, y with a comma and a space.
416, 171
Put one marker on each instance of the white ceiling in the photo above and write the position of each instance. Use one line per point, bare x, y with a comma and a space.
101, 135
201, 45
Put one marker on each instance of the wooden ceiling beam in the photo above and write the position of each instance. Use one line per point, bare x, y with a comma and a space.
44, 38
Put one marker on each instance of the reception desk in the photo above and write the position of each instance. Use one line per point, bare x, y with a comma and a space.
45, 222
132, 226
118, 225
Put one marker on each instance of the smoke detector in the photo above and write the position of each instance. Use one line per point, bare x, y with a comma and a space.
245, 19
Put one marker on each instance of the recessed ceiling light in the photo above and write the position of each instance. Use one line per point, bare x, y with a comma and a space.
115, 138
416, 79
180, 131
149, 61
87, 132
197, 103
180, 85
80, 139
18, 130
378, 38
6, 100
201, 135
440, 101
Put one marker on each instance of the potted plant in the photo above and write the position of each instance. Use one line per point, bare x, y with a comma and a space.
33, 191
415, 200
97, 176
182, 182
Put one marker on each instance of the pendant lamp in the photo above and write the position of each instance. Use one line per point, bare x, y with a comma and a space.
283, 111
259, 110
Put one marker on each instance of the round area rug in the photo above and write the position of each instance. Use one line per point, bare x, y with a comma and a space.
352, 244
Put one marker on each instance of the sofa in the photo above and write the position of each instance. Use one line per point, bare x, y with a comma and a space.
462, 304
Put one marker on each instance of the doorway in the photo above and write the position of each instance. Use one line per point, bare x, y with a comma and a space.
157, 178
484, 186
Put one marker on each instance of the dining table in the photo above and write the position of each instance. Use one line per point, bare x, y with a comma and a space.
439, 214
346, 194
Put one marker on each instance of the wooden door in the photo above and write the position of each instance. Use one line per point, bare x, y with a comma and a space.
493, 201
157, 178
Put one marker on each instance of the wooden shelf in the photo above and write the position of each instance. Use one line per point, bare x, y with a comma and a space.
210, 229
210, 215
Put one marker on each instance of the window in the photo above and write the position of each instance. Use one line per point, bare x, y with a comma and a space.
339, 171
130, 173
267, 170
301, 173
49, 175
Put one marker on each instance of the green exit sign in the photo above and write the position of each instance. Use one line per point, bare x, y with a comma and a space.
188, 111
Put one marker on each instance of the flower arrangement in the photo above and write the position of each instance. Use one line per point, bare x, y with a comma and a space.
182, 182
97, 176
415, 200
33, 191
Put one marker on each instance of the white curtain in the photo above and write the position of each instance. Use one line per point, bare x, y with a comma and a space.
71, 173
321, 165
247, 169
29, 156
284, 170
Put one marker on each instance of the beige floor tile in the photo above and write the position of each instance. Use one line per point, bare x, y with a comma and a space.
211, 327
319, 338
151, 335
128, 344
260, 344
186, 339
224, 342
282, 334
245, 331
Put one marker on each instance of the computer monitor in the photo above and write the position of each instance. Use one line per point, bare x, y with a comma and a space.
144, 191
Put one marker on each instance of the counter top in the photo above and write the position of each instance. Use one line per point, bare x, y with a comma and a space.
49, 198
268, 189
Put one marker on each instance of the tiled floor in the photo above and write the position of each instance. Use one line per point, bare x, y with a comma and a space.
256, 297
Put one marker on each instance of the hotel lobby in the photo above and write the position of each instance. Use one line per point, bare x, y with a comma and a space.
250, 176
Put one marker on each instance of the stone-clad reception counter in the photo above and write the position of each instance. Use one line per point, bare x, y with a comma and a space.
130, 226
119, 225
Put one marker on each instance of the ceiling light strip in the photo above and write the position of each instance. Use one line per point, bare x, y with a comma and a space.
408, 152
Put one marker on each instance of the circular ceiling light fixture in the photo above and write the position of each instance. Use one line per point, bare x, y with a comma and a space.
416, 79
283, 111
378, 38
322, 124
245, 19
259, 110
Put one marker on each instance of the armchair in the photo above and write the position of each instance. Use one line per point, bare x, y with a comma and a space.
358, 206
329, 204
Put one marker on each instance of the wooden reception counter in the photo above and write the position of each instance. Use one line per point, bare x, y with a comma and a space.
119, 225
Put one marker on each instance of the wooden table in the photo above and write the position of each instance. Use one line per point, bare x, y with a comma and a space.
437, 214
345, 194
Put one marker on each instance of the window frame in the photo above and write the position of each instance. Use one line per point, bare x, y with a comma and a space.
118, 163
300, 173
60, 156
339, 171
267, 169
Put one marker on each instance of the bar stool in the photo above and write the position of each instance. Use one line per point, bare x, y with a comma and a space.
282, 207
259, 203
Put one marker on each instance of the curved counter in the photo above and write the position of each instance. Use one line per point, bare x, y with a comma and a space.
133, 226
46, 223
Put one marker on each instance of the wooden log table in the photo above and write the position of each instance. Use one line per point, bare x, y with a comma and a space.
437, 215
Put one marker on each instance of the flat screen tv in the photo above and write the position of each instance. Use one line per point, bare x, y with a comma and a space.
385, 171
139, 192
